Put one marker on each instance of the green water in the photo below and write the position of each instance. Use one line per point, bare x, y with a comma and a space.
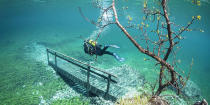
26, 79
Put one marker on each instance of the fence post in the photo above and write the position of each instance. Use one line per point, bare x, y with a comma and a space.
108, 84
47, 56
55, 62
88, 80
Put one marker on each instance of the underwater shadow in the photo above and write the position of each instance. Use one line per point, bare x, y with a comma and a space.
78, 85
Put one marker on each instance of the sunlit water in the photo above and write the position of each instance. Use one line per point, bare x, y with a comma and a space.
27, 27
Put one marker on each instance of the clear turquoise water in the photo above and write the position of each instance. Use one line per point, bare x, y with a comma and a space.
58, 25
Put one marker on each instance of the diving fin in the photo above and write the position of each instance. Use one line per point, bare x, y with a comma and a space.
118, 58
114, 46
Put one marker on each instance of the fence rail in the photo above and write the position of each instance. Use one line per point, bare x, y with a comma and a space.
83, 65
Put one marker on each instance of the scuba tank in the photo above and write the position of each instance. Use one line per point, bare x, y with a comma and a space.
90, 46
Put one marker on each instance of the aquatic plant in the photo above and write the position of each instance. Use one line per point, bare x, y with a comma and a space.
136, 100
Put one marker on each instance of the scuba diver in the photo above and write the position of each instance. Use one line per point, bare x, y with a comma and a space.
91, 47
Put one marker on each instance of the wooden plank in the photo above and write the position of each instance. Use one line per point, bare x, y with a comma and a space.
82, 82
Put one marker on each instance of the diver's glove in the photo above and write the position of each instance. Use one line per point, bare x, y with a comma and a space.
118, 58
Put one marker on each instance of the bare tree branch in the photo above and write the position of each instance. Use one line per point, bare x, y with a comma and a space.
162, 47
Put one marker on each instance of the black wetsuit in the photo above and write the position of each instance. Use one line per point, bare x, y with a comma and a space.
95, 49
90, 49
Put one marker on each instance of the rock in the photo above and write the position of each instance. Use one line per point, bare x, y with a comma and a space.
192, 90
203, 102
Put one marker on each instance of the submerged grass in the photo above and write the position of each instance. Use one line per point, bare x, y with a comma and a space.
71, 101
136, 100
25, 82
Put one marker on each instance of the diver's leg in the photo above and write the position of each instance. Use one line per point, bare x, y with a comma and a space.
105, 48
109, 53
